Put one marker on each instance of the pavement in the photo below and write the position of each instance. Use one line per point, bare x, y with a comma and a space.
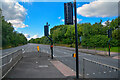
39, 65
64, 55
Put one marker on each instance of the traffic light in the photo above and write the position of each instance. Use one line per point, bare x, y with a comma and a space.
68, 13
46, 31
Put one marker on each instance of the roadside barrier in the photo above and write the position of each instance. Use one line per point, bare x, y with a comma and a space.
95, 69
9, 61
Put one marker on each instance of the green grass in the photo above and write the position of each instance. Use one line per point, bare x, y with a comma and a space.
113, 49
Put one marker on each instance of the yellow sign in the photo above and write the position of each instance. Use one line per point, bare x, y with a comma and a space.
38, 48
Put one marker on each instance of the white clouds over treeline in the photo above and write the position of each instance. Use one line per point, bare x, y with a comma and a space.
14, 13
99, 8
30, 37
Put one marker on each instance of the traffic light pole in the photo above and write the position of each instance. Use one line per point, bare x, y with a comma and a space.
109, 45
109, 49
51, 47
76, 37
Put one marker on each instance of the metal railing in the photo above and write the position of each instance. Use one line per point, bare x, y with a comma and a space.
9, 61
93, 69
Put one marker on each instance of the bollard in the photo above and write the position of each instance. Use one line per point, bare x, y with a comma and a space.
38, 48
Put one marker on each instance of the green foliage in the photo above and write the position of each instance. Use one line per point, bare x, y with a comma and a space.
92, 35
11, 38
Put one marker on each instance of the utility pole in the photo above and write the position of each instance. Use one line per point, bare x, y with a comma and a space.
76, 37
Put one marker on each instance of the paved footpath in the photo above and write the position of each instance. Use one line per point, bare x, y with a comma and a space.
39, 65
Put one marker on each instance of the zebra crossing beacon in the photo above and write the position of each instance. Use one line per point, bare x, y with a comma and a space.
46, 33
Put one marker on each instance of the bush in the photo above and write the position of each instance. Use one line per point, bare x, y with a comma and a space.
98, 41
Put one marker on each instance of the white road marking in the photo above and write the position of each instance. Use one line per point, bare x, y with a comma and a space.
43, 66
114, 70
109, 71
93, 73
65, 53
23, 51
87, 74
36, 62
104, 72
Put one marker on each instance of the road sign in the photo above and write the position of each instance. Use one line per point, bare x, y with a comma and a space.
68, 13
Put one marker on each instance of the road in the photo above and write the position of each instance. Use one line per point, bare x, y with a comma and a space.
7, 51
64, 55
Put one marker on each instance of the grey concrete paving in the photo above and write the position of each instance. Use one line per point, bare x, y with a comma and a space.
35, 65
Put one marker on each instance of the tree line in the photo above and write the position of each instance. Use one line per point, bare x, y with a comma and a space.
10, 37
93, 35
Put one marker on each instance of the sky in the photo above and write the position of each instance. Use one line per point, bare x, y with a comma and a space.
29, 17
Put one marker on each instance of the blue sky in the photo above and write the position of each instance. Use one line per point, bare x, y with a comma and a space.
38, 13
29, 18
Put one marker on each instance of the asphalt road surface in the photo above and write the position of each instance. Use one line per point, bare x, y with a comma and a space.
91, 69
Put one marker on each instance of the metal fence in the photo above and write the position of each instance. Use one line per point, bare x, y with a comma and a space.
93, 69
9, 61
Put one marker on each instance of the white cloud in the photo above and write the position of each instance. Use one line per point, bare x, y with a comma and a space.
14, 13
99, 8
26, 0
104, 23
59, 17
62, 20
78, 20
35, 36
27, 35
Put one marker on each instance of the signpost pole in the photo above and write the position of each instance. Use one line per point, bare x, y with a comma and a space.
76, 37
